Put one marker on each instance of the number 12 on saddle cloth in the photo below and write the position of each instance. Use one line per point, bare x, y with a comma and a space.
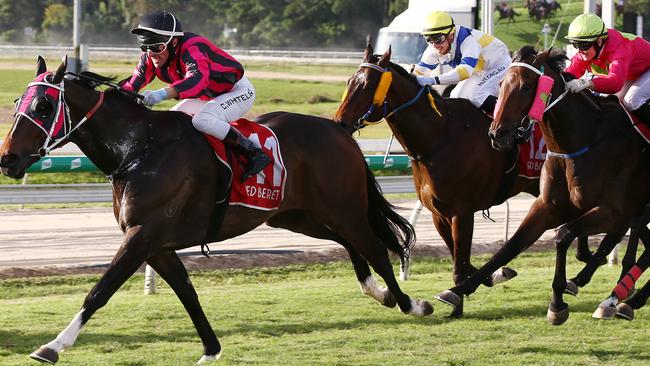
265, 190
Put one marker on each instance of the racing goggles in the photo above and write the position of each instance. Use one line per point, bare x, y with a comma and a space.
155, 48
436, 38
582, 45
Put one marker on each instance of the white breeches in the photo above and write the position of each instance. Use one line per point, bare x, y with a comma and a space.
212, 116
478, 87
635, 93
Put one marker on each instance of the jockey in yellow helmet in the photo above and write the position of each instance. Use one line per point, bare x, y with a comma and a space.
479, 60
619, 61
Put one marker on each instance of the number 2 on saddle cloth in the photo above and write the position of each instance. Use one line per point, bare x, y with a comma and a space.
265, 190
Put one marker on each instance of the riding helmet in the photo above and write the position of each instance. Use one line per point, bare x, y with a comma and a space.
438, 22
586, 27
157, 27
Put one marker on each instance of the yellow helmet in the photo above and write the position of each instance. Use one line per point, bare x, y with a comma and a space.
586, 27
438, 22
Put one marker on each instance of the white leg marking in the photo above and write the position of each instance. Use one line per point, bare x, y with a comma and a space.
416, 309
611, 301
371, 288
207, 359
67, 336
498, 277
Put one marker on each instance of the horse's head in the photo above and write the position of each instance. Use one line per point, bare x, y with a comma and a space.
365, 95
524, 93
39, 117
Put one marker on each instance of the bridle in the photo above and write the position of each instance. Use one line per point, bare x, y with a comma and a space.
61, 107
524, 130
380, 97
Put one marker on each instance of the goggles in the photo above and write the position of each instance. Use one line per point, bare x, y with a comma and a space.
155, 48
582, 45
437, 38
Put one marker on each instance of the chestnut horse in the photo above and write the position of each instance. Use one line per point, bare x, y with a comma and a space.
456, 171
168, 187
595, 178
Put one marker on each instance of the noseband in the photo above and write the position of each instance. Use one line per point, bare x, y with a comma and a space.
380, 98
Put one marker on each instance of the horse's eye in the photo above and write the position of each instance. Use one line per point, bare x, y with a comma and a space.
42, 108
526, 88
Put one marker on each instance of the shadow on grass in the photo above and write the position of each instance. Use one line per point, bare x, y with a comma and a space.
601, 355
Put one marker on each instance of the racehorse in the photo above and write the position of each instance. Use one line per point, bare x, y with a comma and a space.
168, 187
455, 170
594, 180
506, 12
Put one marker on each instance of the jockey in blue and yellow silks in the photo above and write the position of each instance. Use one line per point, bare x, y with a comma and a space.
479, 61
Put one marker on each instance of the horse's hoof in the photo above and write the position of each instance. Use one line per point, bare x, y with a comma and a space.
571, 288
45, 354
503, 274
421, 308
624, 311
450, 298
557, 318
389, 300
208, 358
604, 312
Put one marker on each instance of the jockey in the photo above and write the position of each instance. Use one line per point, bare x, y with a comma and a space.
479, 61
620, 62
210, 82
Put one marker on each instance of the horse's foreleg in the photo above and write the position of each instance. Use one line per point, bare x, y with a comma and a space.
172, 270
595, 220
597, 259
583, 253
538, 220
126, 261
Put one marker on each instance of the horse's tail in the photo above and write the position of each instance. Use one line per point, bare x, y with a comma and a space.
395, 232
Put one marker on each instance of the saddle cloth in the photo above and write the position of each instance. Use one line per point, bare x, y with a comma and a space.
265, 190
532, 155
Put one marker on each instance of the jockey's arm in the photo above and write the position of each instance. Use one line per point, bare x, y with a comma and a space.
470, 51
613, 82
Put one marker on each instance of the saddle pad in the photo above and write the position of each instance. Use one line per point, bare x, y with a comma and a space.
532, 155
265, 190
640, 126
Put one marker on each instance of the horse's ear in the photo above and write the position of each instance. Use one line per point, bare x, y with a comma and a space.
40, 66
60, 72
368, 52
385, 58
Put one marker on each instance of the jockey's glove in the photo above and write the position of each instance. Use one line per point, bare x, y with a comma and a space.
153, 97
424, 80
577, 85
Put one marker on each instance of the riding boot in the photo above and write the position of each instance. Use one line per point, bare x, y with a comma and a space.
488, 106
257, 159
643, 113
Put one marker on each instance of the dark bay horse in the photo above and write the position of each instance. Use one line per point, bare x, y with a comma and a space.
595, 178
167, 189
456, 171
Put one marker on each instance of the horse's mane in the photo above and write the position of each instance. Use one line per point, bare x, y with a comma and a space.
91, 84
556, 59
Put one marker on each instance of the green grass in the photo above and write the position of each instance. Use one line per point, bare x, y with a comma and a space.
316, 315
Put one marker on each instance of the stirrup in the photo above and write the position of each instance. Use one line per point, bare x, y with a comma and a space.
256, 163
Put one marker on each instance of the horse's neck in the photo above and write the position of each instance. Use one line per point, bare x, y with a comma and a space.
418, 127
571, 125
107, 138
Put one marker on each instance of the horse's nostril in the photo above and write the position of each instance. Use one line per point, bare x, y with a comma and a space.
5, 160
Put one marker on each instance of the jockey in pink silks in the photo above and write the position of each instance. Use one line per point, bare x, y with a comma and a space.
210, 82
619, 61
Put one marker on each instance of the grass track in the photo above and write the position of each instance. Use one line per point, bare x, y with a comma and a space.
315, 315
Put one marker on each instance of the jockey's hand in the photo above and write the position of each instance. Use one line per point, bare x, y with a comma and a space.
153, 97
424, 80
577, 85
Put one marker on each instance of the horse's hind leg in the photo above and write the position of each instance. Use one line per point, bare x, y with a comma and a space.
302, 222
172, 270
126, 261
369, 246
